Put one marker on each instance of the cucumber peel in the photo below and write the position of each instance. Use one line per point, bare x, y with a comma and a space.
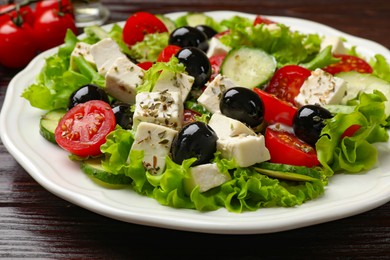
288, 172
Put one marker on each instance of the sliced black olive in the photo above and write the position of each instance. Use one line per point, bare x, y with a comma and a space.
309, 121
194, 140
86, 93
123, 115
197, 65
210, 32
242, 104
187, 36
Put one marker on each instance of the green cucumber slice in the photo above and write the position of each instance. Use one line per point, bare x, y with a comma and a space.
94, 169
357, 82
49, 122
248, 67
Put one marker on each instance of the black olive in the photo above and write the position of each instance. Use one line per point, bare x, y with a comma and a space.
197, 65
194, 140
123, 115
242, 104
309, 121
86, 93
210, 32
187, 36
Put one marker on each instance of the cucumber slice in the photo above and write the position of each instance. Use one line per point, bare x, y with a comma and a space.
194, 19
94, 169
248, 67
49, 122
288, 172
357, 82
171, 26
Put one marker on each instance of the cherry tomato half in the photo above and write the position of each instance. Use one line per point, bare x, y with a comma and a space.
50, 28
284, 147
83, 129
167, 53
139, 24
348, 63
276, 110
287, 81
17, 44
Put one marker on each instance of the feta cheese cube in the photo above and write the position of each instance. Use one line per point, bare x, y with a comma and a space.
206, 176
211, 96
170, 81
84, 50
246, 150
226, 127
321, 88
337, 44
216, 47
122, 79
104, 53
162, 108
155, 141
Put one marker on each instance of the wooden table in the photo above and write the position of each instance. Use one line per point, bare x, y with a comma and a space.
36, 224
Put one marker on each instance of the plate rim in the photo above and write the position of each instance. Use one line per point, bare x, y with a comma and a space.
207, 224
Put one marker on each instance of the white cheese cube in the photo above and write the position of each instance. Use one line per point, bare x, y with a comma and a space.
245, 150
122, 79
155, 141
211, 96
162, 108
104, 53
216, 47
170, 81
226, 127
321, 88
206, 176
84, 50
337, 44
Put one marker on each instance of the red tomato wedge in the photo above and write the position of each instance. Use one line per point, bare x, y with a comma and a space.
83, 129
190, 116
348, 63
284, 147
139, 24
167, 53
260, 19
216, 62
145, 65
276, 110
350, 131
287, 81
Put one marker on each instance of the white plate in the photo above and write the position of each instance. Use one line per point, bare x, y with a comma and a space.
346, 195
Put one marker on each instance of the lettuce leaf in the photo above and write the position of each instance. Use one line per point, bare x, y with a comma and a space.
152, 74
150, 47
357, 153
288, 47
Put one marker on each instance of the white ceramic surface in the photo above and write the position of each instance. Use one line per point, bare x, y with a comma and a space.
346, 195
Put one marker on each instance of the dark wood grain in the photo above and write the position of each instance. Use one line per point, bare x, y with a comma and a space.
36, 224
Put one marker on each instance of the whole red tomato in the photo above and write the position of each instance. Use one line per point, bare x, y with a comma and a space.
50, 28
17, 44
25, 12
42, 6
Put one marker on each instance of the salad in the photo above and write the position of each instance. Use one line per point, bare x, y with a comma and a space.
203, 114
